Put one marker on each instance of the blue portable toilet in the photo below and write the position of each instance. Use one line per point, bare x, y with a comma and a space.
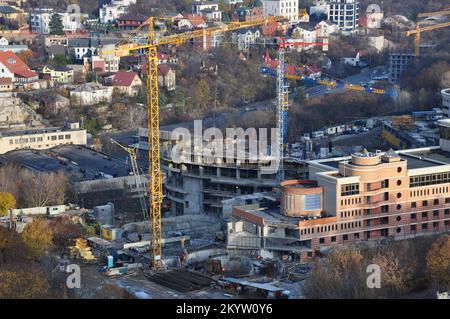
110, 262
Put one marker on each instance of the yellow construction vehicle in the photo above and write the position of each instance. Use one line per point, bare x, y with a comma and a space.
124, 48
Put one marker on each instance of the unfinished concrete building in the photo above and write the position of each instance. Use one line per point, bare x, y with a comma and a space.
195, 187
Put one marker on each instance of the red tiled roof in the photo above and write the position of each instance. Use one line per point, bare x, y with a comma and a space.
15, 65
5, 81
124, 78
196, 20
163, 69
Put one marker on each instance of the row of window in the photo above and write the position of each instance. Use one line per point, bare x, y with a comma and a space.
429, 179
350, 201
350, 189
426, 192
328, 228
413, 228
39, 139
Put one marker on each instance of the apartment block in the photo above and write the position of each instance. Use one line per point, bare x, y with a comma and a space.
446, 101
285, 8
367, 196
345, 13
398, 62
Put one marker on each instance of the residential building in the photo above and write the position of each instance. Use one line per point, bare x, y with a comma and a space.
191, 22
212, 14
245, 38
364, 197
6, 85
80, 48
199, 6
374, 16
40, 21
110, 12
128, 83
446, 102
398, 62
91, 94
58, 74
285, 8
326, 27
345, 13
166, 77
15, 69
273, 29
131, 21
304, 32
42, 138
245, 14
55, 50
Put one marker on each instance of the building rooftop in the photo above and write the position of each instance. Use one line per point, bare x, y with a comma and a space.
78, 162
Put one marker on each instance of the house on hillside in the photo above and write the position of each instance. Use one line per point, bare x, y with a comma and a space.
91, 94
245, 38
12, 67
128, 83
59, 74
166, 77
131, 21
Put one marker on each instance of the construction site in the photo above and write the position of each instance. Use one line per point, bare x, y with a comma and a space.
213, 226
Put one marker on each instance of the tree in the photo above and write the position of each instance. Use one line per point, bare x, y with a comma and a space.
60, 60
43, 189
301, 96
438, 262
7, 201
38, 237
23, 282
56, 25
12, 248
64, 230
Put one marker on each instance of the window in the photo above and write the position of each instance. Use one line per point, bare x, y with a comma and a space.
436, 202
399, 207
356, 236
413, 205
68, 136
399, 195
398, 230
435, 213
447, 212
447, 200
399, 182
399, 218
446, 223
309, 254
399, 169
321, 240
425, 226
345, 237
436, 225
424, 214
413, 227
349, 189
385, 208
333, 239
413, 216
60, 137
385, 183
425, 203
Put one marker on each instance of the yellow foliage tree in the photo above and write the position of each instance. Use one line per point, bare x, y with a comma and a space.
37, 236
23, 283
438, 262
7, 201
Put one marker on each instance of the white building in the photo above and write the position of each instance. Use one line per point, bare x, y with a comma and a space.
245, 38
285, 8
199, 6
42, 138
40, 21
344, 13
374, 16
326, 27
91, 94
108, 13
446, 101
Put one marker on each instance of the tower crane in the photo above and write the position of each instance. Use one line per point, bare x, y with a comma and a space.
132, 152
282, 101
124, 48
418, 30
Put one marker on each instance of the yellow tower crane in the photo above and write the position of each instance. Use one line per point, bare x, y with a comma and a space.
418, 30
151, 46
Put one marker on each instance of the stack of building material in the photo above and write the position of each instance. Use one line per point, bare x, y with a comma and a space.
81, 250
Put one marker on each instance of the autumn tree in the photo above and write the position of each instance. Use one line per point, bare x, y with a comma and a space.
12, 248
64, 230
7, 202
20, 281
38, 237
438, 262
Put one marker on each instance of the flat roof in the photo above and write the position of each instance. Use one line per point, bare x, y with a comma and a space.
78, 162
35, 131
